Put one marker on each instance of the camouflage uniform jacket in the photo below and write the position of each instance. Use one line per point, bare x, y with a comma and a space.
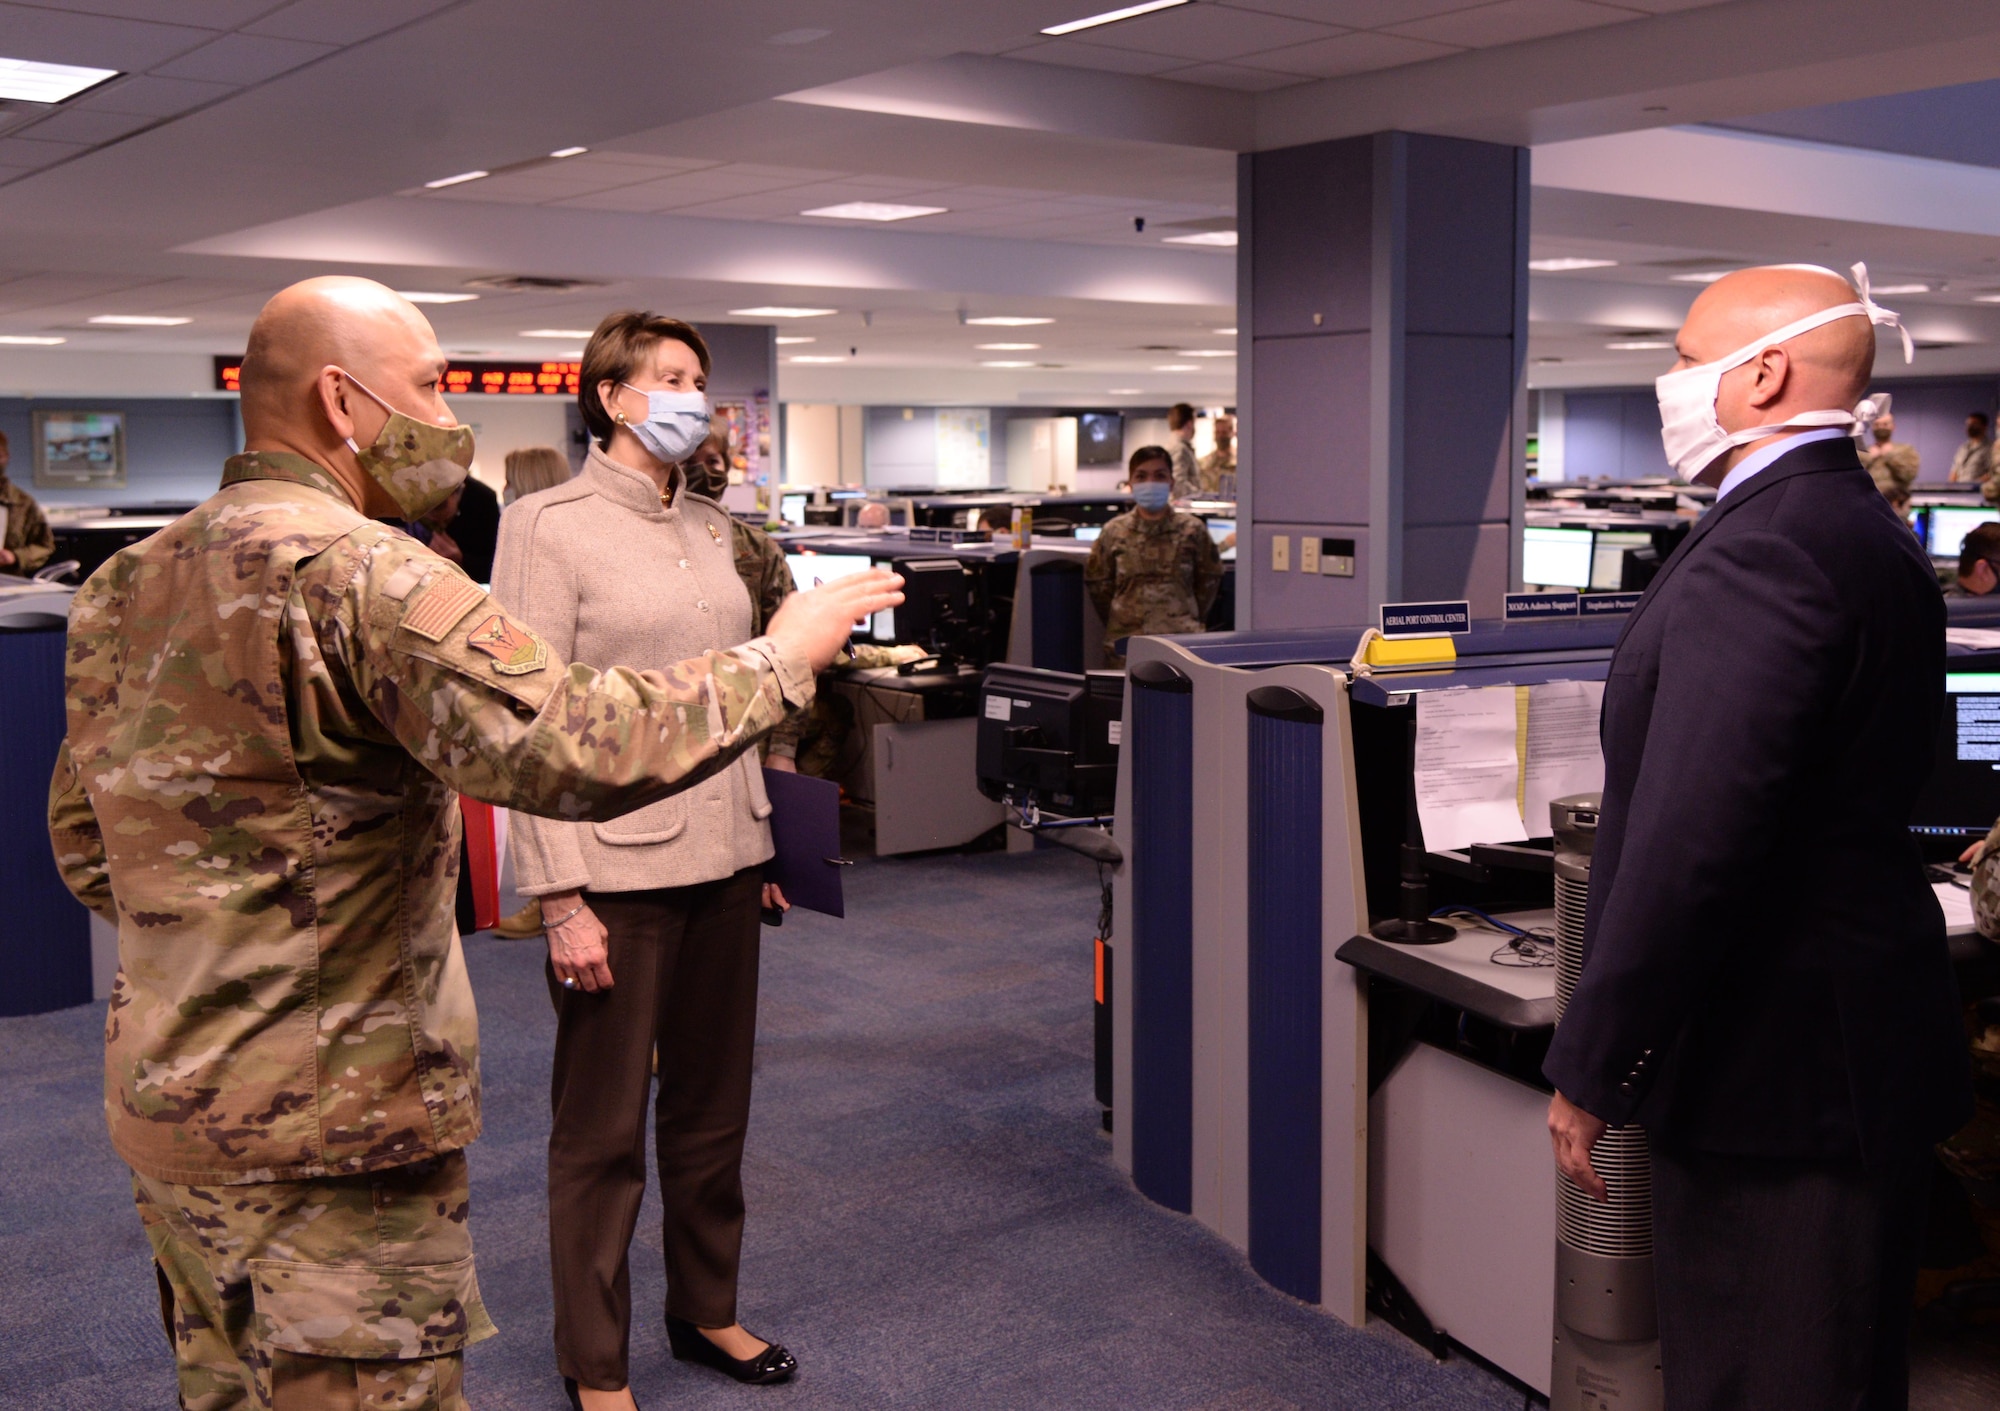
1216, 464
271, 705
1187, 471
28, 533
1892, 465
760, 563
1149, 577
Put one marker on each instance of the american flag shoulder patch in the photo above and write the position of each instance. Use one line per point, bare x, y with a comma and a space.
442, 606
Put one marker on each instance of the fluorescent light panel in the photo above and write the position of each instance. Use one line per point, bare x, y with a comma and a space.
1639, 345
1007, 347
1706, 276
1177, 367
873, 210
1912, 288
1225, 332
27, 81
1128, 12
426, 296
1225, 239
1206, 353
458, 180
794, 338
570, 333
1004, 362
780, 311
1561, 264
29, 340
562, 152
142, 320
1006, 321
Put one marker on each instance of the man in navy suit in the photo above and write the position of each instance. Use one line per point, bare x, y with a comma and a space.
1765, 987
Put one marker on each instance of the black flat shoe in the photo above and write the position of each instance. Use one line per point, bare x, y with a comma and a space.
773, 1364
576, 1397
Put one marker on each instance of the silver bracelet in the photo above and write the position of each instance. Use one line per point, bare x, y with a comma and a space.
551, 925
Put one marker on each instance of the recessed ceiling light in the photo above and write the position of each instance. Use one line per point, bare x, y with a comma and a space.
873, 210
1221, 238
789, 338
561, 152
32, 82
1639, 345
1226, 332
1912, 288
555, 333
1004, 362
1121, 391
425, 296
142, 320
29, 340
463, 176
1006, 347
1146, 7
1986, 298
817, 358
1006, 321
780, 311
1559, 264
1177, 367
1206, 353
1705, 276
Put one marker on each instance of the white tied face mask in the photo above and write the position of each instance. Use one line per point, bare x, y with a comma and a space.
1688, 426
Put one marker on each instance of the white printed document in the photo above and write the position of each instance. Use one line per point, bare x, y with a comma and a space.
1468, 768
1563, 753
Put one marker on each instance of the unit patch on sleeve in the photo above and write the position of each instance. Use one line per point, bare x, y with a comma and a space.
442, 606
515, 650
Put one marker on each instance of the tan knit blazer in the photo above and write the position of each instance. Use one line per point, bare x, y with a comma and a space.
614, 578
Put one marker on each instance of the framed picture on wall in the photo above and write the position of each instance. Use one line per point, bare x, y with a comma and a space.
78, 449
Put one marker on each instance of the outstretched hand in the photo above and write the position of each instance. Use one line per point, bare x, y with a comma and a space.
817, 621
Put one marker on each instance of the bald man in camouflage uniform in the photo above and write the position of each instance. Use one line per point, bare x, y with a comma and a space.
273, 704
1152, 572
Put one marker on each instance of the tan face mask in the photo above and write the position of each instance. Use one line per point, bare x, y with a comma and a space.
418, 462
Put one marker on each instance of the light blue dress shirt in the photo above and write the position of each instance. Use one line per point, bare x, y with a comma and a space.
1757, 460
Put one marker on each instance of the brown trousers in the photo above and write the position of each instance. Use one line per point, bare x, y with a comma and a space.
684, 977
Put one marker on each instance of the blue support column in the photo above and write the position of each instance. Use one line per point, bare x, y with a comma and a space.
1160, 969
44, 932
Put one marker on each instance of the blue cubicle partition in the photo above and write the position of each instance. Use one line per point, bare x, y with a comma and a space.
1159, 735
44, 932
1058, 617
1285, 739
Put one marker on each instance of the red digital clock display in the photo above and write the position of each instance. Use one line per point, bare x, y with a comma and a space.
487, 379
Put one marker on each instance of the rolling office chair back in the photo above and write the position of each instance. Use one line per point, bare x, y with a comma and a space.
1607, 1338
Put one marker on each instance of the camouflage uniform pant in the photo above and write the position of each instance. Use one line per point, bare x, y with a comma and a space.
348, 1292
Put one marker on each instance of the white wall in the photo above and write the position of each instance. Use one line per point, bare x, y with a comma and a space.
1041, 453
811, 454
1549, 437
503, 424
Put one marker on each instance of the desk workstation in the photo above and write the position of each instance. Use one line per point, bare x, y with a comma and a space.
1366, 1117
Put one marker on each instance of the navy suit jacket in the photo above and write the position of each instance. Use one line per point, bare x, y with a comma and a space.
1765, 970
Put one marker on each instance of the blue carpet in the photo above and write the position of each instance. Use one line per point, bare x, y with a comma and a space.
934, 1217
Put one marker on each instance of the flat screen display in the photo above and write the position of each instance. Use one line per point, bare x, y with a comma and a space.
792, 509
811, 570
1087, 533
1962, 796
1100, 438
1607, 559
1557, 558
1949, 526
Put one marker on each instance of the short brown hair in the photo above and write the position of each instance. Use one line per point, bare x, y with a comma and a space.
615, 349
1982, 543
1146, 454
1179, 415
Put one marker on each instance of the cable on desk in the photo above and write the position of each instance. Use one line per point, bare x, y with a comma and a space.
1522, 950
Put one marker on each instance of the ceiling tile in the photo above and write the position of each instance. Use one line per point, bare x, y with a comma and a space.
26, 152
95, 41
1362, 14
1663, 7
209, 14
244, 58
153, 97
86, 126
1231, 76
1350, 53
341, 21
1073, 54
1210, 32
1512, 21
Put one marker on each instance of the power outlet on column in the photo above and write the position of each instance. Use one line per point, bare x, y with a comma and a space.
1281, 553
1336, 558
1308, 553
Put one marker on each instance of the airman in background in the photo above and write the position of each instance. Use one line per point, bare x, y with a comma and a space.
272, 706
1218, 467
26, 541
1153, 570
1893, 464
1180, 449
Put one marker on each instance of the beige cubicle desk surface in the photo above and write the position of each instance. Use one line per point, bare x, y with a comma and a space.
1463, 973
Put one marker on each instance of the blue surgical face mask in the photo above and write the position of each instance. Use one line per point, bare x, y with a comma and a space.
1152, 495
676, 423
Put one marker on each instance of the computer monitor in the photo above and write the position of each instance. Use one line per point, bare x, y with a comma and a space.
936, 608
1557, 558
792, 509
1949, 525
1100, 438
1051, 734
809, 570
1607, 559
1961, 799
1220, 529
1087, 533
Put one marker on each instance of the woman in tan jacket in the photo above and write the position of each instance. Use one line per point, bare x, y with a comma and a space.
653, 917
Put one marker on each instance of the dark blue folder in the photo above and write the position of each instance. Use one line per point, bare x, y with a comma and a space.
805, 830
